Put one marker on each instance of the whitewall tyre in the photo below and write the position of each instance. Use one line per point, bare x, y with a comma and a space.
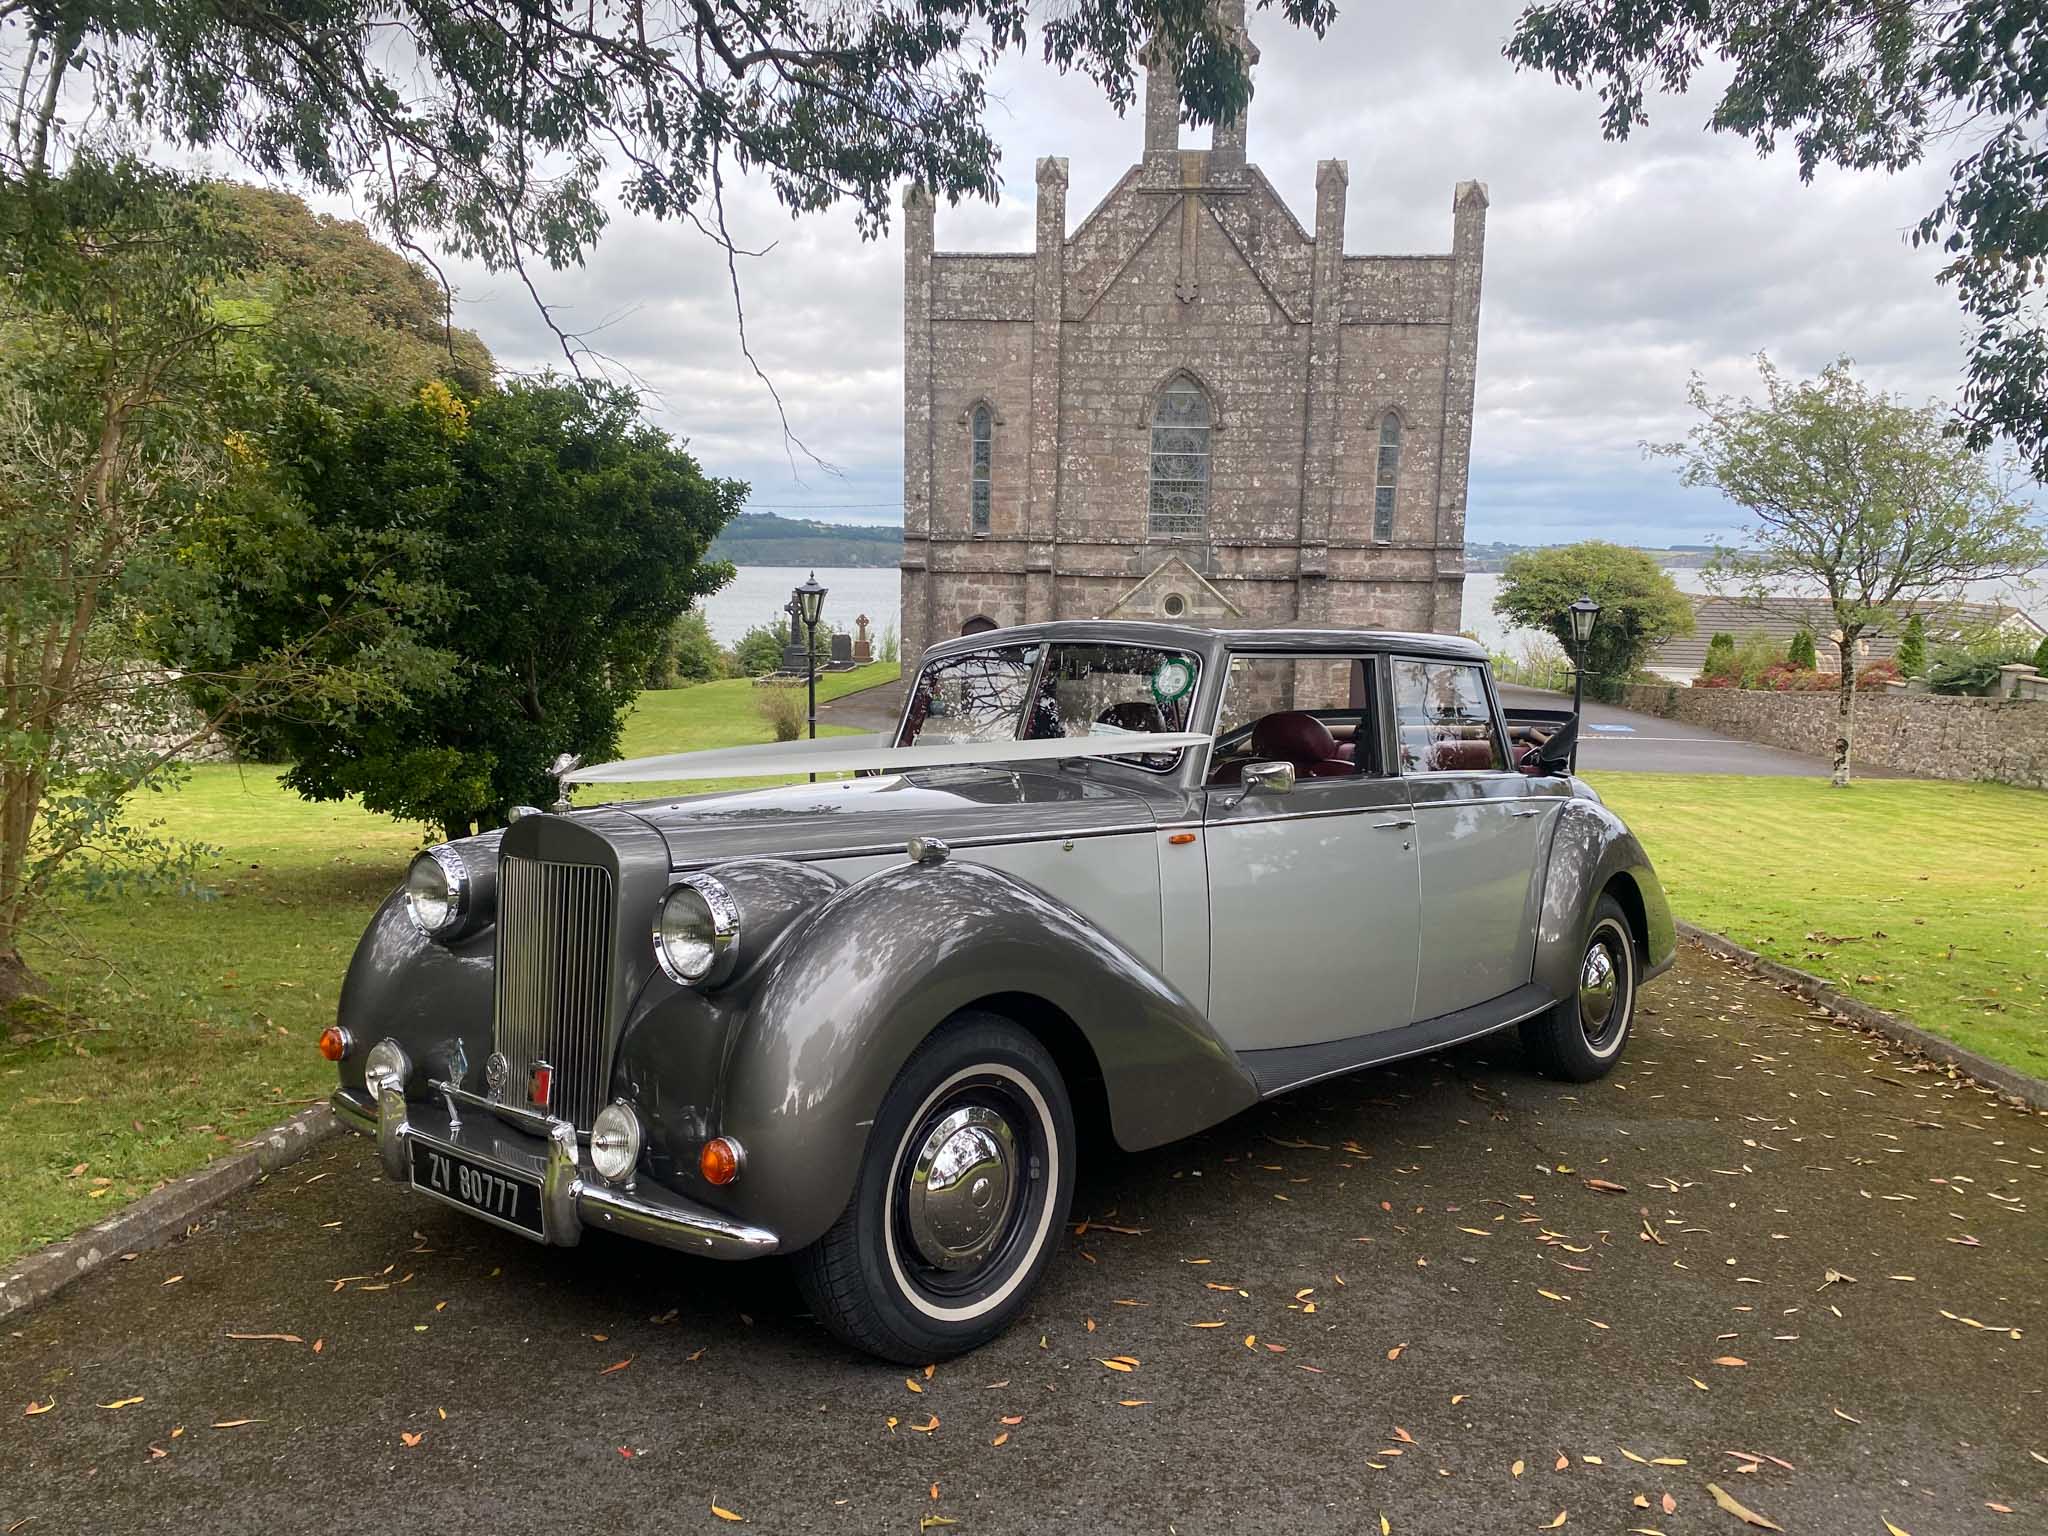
959, 1202
1583, 1036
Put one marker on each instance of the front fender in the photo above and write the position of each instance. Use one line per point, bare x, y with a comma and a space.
883, 963
1590, 850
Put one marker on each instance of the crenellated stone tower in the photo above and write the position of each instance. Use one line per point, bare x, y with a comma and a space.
1189, 407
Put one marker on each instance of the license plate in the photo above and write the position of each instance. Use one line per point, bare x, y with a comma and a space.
505, 1198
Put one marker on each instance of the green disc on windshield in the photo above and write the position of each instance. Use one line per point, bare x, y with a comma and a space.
1174, 678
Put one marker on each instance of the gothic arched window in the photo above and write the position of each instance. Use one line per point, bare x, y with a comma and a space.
1180, 461
1389, 472
984, 431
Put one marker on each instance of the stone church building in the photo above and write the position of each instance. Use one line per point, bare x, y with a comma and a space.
1187, 407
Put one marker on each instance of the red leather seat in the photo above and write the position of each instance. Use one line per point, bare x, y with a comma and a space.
1452, 755
1301, 739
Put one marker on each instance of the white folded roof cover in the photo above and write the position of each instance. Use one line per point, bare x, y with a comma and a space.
850, 754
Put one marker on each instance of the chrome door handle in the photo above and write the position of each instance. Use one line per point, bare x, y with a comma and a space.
1527, 810
1391, 825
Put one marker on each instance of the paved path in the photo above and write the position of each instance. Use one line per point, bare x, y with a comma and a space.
1419, 1295
1623, 740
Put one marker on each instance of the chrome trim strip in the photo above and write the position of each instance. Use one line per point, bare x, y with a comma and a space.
876, 850
1403, 1055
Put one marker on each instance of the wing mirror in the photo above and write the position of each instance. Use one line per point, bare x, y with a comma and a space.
1268, 778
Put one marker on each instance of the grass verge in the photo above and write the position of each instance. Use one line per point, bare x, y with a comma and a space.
177, 1025
1929, 899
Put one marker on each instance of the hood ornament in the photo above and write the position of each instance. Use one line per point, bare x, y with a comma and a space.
560, 768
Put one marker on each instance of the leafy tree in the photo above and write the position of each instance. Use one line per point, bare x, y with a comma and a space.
1640, 605
2041, 657
338, 312
1912, 653
497, 125
1862, 86
1858, 495
126, 417
759, 650
1800, 653
564, 535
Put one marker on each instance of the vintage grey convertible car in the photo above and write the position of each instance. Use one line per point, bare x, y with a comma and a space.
1132, 876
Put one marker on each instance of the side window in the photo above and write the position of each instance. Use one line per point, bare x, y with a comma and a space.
1315, 712
1442, 719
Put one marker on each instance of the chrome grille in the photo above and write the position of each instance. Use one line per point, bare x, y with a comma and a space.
554, 980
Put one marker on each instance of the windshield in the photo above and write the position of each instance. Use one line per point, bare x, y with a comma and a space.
1044, 693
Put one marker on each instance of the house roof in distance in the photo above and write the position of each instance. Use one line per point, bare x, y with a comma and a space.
1783, 617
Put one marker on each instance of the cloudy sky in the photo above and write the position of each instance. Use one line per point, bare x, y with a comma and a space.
1613, 271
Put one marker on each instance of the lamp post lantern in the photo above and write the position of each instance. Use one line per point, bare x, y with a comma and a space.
807, 602
1585, 613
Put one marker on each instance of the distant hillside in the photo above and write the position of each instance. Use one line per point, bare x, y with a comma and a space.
762, 538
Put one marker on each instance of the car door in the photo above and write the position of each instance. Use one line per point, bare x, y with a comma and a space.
1312, 893
1480, 835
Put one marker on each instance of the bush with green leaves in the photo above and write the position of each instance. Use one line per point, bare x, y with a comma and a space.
1800, 653
758, 652
1720, 658
686, 653
1640, 605
557, 535
786, 708
2041, 657
1970, 666
1912, 653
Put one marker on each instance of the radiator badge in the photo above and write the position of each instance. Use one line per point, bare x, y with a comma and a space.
496, 1070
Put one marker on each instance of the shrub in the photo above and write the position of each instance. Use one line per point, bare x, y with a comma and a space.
1913, 647
1879, 674
1784, 677
785, 706
1800, 652
892, 648
1755, 653
1720, 662
1972, 667
699, 658
759, 651
2041, 657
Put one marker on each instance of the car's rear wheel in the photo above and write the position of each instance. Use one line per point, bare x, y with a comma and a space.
966, 1182
1582, 1037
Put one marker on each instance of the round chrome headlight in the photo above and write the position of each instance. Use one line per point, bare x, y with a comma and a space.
615, 1143
697, 932
387, 1067
437, 891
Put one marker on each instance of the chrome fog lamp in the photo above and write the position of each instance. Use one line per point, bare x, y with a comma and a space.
388, 1067
697, 932
437, 891
615, 1143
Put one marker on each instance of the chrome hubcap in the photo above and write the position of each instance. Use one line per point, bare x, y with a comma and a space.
963, 1182
1596, 989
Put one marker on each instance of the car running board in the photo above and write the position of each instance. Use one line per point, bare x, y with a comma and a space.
1296, 1066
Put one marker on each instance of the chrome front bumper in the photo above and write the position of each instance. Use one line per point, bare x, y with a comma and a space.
573, 1198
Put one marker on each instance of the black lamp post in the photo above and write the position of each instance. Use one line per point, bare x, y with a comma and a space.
807, 602
1585, 613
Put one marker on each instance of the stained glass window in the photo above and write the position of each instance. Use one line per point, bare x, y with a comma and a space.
1389, 472
1180, 462
984, 445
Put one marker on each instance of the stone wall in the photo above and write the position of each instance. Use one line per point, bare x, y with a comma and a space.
1924, 734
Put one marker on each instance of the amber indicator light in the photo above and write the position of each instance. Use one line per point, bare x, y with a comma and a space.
719, 1162
1179, 839
333, 1043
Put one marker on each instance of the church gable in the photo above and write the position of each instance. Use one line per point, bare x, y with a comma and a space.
1177, 592
1192, 256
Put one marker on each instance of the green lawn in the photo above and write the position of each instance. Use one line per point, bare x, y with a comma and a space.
1930, 899
178, 1025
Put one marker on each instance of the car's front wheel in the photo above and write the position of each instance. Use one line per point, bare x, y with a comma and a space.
967, 1178
1581, 1038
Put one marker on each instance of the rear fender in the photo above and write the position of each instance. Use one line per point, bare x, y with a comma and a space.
1591, 850
884, 963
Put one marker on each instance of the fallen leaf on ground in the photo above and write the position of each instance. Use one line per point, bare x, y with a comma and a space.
1013, 1419
410, 1438
1606, 1186
1742, 1511
912, 1385
999, 1439
1117, 1365
282, 1338
927, 1426
234, 1423
1729, 1360
726, 1514
35, 1408
1893, 1528
122, 1402
1558, 1521
1135, 1402
617, 1365
1517, 1469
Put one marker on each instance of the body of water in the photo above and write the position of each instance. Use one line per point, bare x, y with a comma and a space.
757, 595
